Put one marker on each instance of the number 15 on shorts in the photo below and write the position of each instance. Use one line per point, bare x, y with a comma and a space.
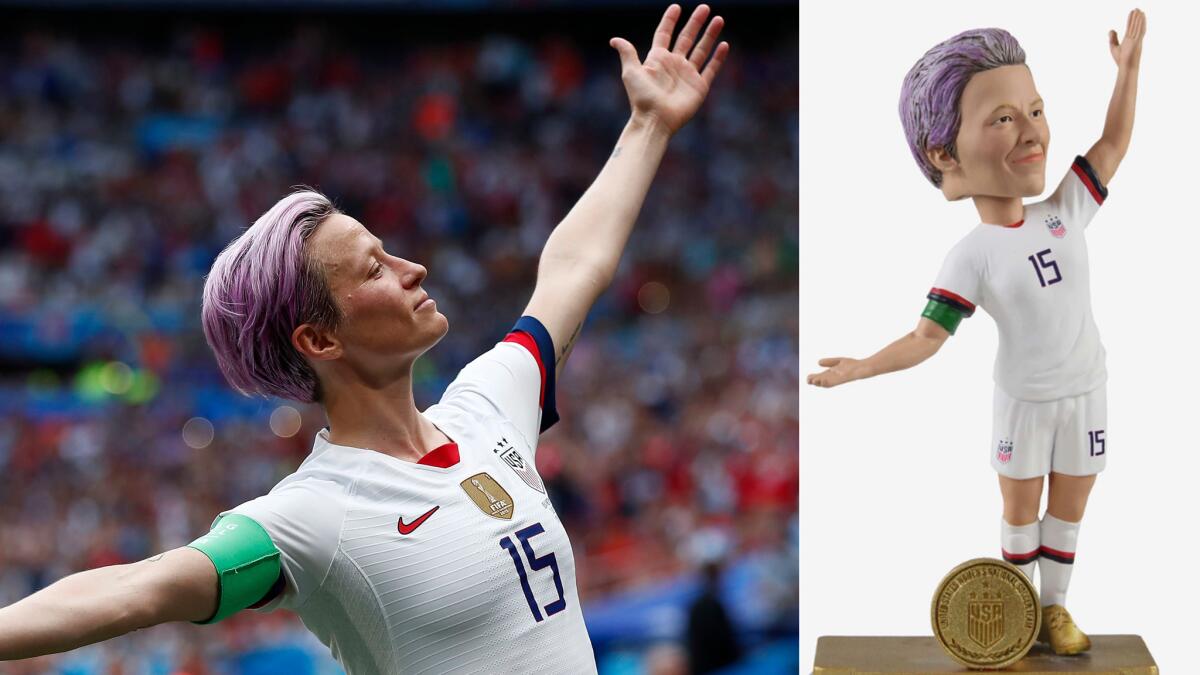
1096, 442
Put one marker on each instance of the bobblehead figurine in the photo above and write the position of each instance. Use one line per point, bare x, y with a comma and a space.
977, 128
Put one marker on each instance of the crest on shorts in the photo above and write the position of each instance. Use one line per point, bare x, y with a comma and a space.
487, 494
1056, 227
985, 618
509, 455
1004, 451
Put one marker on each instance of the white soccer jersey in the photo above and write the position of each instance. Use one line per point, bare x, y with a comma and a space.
454, 564
1032, 278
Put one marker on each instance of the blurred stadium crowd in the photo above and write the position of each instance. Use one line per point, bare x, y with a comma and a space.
125, 166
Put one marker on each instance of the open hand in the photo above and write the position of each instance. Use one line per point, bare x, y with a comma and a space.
839, 371
1128, 52
671, 83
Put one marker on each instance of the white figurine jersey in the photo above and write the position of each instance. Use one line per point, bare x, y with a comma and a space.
1032, 278
454, 564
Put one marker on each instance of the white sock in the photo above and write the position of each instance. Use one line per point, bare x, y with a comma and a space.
1057, 559
1020, 545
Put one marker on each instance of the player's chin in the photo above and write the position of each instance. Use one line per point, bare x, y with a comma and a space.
418, 338
434, 326
1028, 183
444, 323
1033, 186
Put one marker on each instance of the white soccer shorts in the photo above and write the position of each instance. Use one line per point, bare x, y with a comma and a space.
1066, 435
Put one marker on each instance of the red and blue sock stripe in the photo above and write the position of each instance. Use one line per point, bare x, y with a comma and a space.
1064, 557
1021, 558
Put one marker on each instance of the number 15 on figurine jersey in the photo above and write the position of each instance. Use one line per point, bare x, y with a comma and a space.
1032, 278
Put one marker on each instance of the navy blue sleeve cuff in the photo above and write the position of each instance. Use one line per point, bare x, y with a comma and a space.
541, 337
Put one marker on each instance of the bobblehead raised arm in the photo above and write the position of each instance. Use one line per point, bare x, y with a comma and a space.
1106, 155
580, 258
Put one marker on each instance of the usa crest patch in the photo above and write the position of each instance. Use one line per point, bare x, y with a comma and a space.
1004, 451
1056, 227
505, 450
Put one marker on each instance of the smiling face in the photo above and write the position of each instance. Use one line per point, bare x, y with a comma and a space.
1002, 140
388, 320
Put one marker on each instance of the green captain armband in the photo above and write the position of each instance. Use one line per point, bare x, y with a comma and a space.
247, 563
945, 315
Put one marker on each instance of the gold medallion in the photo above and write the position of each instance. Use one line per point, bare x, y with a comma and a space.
489, 496
986, 614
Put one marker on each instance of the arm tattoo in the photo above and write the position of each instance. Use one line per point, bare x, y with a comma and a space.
566, 350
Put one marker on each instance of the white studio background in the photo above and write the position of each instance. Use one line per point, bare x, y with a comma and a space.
895, 484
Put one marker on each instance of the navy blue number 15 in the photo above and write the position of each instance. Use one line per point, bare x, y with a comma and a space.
535, 563
1041, 263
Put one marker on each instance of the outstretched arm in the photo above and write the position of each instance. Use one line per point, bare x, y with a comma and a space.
98, 604
580, 258
904, 353
1106, 155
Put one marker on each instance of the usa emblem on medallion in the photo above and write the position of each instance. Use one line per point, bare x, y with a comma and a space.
489, 496
985, 618
1056, 227
986, 614
517, 463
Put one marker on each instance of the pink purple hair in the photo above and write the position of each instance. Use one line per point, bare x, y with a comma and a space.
932, 89
261, 287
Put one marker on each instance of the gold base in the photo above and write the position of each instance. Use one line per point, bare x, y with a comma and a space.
838, 655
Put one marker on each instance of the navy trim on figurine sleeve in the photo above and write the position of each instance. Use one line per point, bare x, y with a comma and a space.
953, 299
1087, 174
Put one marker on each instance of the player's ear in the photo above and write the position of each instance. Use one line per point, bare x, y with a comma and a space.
316, 343
941, 159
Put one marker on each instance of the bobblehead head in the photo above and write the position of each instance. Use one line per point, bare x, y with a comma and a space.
973, 118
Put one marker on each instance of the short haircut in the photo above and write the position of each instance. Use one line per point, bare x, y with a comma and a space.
930, 95
261, 287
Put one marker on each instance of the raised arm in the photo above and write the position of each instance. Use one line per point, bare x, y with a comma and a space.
99, 604
1106, 155
908, 351
580, 258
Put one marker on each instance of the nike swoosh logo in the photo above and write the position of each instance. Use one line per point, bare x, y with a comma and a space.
409, 527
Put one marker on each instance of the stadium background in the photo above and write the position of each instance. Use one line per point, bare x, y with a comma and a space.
135, 142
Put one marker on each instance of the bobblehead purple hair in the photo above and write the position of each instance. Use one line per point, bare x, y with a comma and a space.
932, 89
259, 289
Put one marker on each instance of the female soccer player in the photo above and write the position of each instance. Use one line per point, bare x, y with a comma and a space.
977, 128
408, 541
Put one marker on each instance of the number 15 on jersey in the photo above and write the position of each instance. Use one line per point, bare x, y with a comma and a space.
1040, 262
536, 563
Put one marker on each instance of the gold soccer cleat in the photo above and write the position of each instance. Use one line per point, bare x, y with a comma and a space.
1060, 631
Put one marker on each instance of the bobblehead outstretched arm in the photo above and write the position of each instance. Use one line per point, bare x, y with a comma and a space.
908, 351
103, 603
580, 258
1106, 155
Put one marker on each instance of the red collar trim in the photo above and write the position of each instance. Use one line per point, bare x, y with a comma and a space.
1016, 224
443, 457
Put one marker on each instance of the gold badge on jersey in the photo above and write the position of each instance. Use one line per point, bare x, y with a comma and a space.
489, 496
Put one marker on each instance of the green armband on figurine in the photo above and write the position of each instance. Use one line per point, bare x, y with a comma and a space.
947, 309
944, 315
247, 563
